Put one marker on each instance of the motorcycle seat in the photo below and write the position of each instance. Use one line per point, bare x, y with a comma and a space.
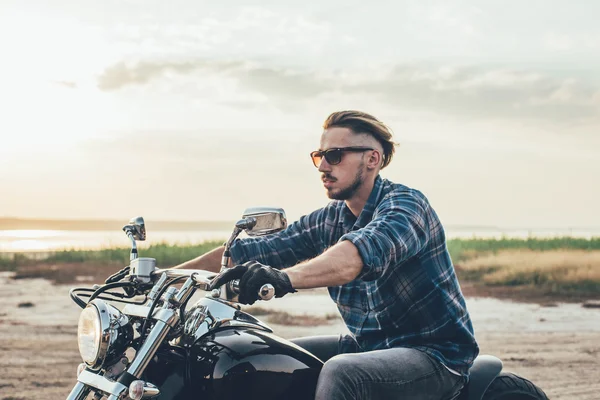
485, 368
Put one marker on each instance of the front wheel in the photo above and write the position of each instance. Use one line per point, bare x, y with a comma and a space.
507, 386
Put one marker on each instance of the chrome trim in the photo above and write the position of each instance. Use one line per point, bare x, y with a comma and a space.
226, 254
79, 392
212, 313
148, 349
168, 297
111, 320
149, 390
157, 286
266, 292
133, 253
264, 220
168, 316
135, 310
137, 228
99, 382
201, 278
185, 292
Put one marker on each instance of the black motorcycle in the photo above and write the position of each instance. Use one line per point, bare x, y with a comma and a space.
154, 348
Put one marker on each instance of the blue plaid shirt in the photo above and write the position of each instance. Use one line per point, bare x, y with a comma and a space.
407, 294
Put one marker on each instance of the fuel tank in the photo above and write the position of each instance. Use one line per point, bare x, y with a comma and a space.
230, 361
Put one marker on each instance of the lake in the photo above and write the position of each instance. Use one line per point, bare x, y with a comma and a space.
15, 241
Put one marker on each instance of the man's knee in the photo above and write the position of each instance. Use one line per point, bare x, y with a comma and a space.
340, 371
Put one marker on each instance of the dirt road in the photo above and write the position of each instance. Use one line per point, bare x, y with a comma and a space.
557, 347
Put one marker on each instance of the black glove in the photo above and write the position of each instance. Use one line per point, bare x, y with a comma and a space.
253, 275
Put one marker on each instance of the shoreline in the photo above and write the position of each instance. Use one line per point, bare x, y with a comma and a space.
90, 273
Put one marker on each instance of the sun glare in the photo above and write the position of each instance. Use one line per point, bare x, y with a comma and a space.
27, 245
29, 234
47, 81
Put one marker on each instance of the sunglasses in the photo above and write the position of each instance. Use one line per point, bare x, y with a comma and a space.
334, 156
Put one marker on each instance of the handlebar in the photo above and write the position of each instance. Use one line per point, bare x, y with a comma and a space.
266, 292
203, 280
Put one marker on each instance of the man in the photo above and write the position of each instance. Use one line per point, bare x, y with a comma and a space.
380, 249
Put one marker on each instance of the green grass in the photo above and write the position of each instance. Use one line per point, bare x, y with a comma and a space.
12, 262
556, 266
165, 254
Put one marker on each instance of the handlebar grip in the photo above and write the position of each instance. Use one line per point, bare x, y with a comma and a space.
266, 292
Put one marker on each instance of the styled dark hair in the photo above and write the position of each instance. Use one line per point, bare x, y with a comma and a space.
360, 122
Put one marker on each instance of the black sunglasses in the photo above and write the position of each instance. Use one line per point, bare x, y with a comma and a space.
334, 156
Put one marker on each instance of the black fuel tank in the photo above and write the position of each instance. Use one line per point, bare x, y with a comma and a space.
245, 363
234, 363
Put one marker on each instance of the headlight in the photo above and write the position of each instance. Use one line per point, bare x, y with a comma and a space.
103, 332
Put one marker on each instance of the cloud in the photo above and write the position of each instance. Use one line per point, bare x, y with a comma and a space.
562, 42
121, 74
66, 84
470, 91
476, 92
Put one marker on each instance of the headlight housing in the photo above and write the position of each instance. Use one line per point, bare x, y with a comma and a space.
103, 332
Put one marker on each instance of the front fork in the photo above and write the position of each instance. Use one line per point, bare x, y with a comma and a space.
79, 392
166, 318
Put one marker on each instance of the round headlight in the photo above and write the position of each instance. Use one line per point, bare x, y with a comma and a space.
88, 334
103, 332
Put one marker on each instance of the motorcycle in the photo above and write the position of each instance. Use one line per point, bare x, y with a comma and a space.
153, 347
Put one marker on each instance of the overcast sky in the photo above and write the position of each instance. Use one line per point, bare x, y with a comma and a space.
190, 110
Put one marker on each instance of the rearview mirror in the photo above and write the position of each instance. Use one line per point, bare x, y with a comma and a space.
260, 221
137, 227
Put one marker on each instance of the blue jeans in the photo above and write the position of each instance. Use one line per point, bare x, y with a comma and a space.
397, 373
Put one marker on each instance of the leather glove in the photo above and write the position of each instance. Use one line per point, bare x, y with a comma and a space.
253, 275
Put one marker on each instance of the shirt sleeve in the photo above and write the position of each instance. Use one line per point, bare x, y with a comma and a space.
300, 241
397, 232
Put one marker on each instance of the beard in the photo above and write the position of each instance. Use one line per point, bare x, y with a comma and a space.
349, 191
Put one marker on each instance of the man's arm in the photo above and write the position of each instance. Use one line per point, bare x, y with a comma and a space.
338, 265
210, 261
298, 242
397, 233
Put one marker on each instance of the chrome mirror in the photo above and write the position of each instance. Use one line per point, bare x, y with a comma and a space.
137, 228
258, 221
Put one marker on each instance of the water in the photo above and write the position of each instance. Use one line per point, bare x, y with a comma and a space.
43, 241
14, 241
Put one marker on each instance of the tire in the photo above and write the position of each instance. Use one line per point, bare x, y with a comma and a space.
509, 386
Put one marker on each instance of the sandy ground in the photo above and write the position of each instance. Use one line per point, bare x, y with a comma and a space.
556, 346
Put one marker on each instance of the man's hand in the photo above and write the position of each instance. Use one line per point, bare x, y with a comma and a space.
253, 275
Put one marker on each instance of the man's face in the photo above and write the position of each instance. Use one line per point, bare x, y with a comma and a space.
342, 180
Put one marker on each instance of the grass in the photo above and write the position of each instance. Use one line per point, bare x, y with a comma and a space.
559, 272
165, 254
554, 266
462, 249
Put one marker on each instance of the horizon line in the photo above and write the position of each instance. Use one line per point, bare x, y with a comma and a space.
18, 223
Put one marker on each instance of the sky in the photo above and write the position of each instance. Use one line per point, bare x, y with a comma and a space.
194, 110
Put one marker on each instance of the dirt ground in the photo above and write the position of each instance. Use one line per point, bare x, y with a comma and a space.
557, 346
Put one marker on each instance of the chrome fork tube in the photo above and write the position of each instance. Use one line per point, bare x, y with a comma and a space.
79, 392
159, 331
148, 349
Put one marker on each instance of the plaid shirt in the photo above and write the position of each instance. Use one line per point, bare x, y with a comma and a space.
407, 294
